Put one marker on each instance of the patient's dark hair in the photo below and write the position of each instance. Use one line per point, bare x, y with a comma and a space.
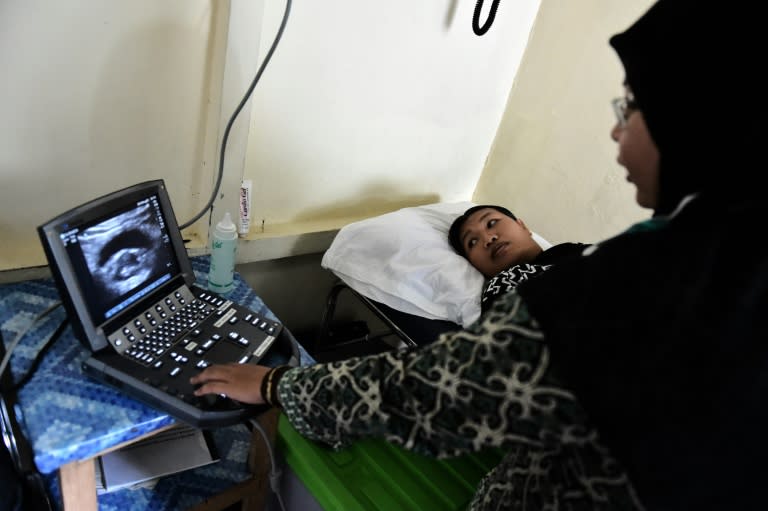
454, 233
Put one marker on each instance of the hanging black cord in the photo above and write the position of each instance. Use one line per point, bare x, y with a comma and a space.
488, 22
40, 355
234, 116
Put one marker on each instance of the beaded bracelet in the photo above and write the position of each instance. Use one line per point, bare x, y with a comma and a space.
269, 384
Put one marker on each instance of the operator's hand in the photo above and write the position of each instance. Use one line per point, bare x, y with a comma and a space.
241, 382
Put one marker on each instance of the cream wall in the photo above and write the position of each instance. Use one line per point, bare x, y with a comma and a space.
369, 106
552, 161
101, 95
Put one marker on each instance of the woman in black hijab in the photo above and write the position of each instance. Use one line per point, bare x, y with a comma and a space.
662, 333
634, 377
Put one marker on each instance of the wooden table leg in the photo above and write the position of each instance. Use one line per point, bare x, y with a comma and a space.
78, 486
258, 461
253, 492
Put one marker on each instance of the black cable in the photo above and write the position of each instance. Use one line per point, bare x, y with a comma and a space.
5, 363
40, 355
32, 492
234, 116
488, 22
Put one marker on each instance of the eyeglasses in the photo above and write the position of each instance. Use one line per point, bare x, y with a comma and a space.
623, 108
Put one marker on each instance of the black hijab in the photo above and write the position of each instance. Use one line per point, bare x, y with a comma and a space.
690, 65
663, 334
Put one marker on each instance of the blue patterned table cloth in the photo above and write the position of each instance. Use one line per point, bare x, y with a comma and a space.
69, 417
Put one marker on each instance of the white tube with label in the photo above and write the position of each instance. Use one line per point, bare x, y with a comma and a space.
245, 208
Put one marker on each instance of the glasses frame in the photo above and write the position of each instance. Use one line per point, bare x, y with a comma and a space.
623, 108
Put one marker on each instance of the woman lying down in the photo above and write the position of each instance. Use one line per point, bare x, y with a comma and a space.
502, 248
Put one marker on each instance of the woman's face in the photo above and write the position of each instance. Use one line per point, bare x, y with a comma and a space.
494, 241
637, 153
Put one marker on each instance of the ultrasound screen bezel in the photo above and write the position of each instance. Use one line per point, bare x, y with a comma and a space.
89, 329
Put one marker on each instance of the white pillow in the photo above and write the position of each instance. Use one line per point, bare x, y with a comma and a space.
403, 259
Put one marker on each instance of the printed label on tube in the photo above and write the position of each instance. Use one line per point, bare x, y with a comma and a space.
245, 208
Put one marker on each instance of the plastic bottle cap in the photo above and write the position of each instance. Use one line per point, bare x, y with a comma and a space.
226, 223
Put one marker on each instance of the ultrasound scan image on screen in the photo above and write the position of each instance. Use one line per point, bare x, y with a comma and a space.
125, 252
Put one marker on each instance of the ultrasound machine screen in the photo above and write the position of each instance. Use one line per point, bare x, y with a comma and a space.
121, 258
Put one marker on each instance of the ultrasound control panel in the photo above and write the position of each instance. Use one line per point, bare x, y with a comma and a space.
182, 328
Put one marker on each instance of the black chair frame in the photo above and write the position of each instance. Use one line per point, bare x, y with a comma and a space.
330, 311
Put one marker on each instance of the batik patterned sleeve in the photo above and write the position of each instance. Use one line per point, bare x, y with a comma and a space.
488, 385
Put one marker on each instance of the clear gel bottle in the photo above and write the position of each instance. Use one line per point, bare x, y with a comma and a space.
223, 246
